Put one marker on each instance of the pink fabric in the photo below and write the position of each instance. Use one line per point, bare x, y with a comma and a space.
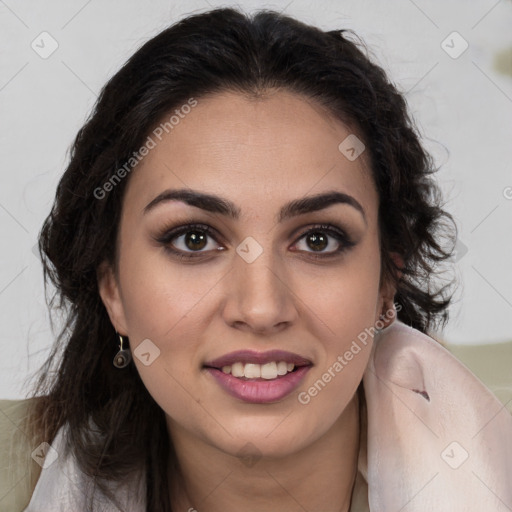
437, 438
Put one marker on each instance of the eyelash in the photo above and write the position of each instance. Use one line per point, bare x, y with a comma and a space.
345, 243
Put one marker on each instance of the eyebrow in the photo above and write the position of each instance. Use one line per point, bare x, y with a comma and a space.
215, 204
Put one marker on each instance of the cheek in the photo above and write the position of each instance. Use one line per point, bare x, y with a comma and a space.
342, 300
167, 308
347, 338
160, 295
343, 307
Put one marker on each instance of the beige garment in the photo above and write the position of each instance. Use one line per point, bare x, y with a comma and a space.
18, 471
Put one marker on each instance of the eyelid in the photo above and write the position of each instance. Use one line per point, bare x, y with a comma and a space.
167, 234
321, 226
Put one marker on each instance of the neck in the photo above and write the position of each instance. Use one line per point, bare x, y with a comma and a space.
318, 477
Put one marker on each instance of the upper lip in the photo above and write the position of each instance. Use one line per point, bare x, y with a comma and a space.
255, 357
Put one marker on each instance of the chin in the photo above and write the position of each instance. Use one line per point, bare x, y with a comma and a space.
261, 437
260, 448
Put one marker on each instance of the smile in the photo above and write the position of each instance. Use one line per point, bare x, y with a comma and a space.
266, 371
259, 377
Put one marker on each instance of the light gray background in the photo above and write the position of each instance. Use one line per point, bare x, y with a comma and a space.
462, 105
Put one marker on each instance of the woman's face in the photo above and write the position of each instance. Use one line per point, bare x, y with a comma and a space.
279, 271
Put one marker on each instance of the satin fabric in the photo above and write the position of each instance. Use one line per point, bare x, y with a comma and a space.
434, 439
437, 438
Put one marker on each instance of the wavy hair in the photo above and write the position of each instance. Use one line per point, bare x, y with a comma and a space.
219, 50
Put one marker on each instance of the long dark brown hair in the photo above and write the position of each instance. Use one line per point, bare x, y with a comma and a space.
219, 50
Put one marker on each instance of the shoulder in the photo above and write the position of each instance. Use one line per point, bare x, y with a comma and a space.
18, 471
409, 358
425, 405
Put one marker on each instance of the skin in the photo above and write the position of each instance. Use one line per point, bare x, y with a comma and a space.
259, 153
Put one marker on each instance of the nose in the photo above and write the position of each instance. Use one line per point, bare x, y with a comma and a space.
260, 298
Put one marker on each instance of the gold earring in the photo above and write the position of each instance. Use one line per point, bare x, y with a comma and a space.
124, 356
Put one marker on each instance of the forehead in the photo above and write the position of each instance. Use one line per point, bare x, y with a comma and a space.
276, 147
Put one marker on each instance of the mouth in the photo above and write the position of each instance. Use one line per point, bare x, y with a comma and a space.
259, 377
254, 365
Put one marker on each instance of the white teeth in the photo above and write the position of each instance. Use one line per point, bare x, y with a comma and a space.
282, 368
252, 371
237, 370
266, 371
269, 371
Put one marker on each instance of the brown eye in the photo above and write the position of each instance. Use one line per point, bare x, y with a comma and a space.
324, 241
195, 240
317, 241
189, 241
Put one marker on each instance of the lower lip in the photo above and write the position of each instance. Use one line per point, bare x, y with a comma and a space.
259, 391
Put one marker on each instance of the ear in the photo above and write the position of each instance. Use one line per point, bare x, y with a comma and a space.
399, 262
388, 288
111, 297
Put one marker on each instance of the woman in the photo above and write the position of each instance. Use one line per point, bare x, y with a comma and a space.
244, 246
